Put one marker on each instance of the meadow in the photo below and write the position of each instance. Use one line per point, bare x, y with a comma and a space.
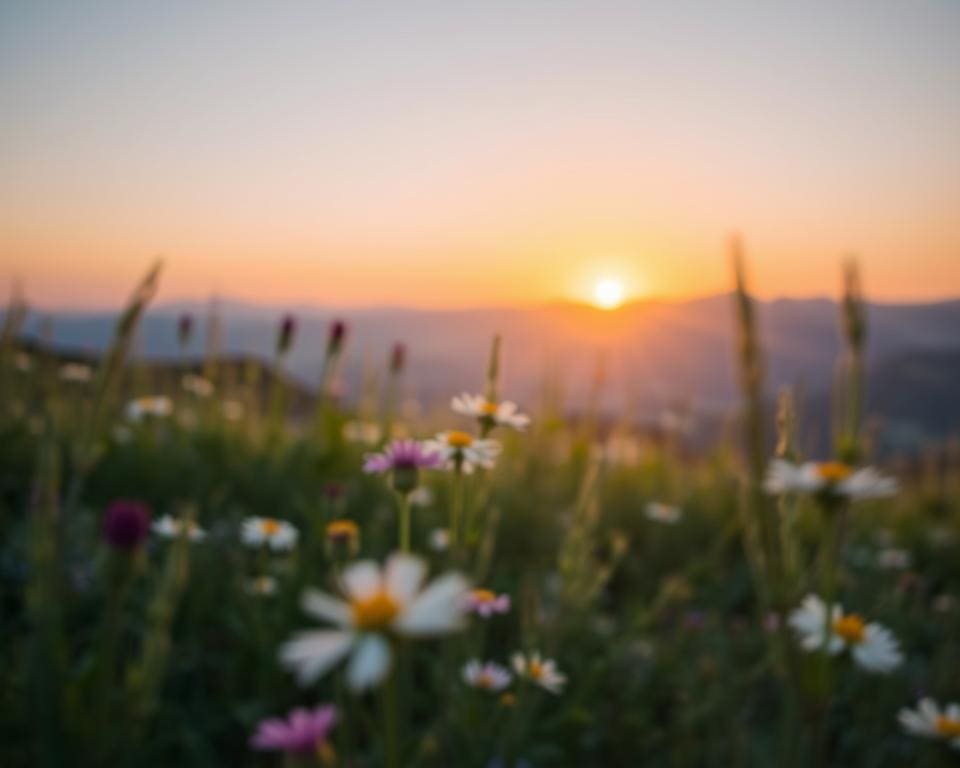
193, 575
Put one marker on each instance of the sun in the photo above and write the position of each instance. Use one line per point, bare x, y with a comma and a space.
608, 293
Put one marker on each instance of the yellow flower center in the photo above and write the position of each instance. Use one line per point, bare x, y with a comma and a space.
489, 409
508, 700
269, 526
485, 680
851, 628
535, 669
483, 595
342, 529
375, 611
459, 440
834, 471
947, 727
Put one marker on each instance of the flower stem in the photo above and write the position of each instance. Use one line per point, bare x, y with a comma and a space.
391, 735
404, 503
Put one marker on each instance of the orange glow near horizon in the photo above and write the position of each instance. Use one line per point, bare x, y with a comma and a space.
445, 155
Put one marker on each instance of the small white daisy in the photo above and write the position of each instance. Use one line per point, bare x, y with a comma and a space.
261, 586
488, 676
930, 721
421, 497
169, 527
872, 645
362, 432
894, 559
280, 535
380, 603
76, 373
490, 414
659, 512
832, 477
233, 410
197, 385
462, 452
155, 406
440, 539
542, 672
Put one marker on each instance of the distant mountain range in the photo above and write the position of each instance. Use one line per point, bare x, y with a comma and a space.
652, 354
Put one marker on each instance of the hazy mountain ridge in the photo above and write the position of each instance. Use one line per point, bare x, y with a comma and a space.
653, 353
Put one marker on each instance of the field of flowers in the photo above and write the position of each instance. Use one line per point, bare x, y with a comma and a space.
192, 577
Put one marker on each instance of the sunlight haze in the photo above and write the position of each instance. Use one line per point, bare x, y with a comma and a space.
461, 154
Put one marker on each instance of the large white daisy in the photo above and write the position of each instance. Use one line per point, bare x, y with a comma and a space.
872, 645
490, 414
932, 722
831, 477
379, 603
463, 451
279, 535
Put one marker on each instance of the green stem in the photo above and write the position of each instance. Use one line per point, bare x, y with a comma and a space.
404, 504
391, 734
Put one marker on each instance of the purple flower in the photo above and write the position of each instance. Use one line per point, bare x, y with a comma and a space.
401, 454
184, 329
126, 524
486, 603
398, 358
338, 332
303, 732
404, 458
288, 327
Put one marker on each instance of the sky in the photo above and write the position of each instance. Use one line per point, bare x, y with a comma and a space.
444, 154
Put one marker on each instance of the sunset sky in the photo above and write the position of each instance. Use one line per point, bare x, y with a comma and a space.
475, 153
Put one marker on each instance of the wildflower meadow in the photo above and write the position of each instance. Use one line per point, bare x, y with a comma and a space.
195, 572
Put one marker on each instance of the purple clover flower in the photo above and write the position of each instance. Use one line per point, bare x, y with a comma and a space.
126, 524
402, 455
303, 731
405, 459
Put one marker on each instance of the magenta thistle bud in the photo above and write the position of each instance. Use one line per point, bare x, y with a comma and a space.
184, 329
398, 358
338, 332
288, 329
126, 524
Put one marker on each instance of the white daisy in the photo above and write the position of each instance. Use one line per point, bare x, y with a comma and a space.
197, 385
380, 603
872, 645
440, 539
233, 410
832, 477
362, 432
76, 373
461, 451
894, 559
542, 672
488, 676
663, 513
156, 406
931, 722
490, 414
280, 535
170, 528
421, 497
261, 586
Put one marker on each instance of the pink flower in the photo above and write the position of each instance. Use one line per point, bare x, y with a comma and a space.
302, 733
126, 524
486, 603
404, 458
401, 454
